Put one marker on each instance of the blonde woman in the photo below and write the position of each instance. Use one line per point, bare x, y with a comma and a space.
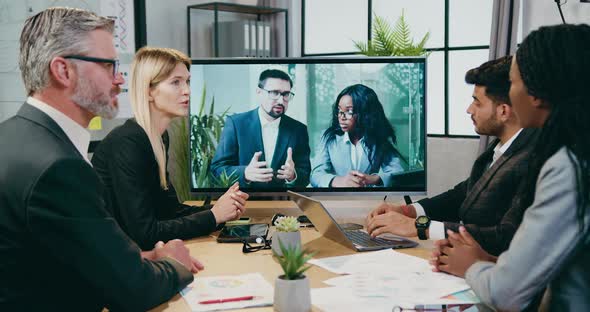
131, 160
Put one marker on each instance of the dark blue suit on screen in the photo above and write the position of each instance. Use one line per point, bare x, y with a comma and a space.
242, 137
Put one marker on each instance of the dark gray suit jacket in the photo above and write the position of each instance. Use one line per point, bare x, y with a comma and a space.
548, 250
488, 202
60, 250
242, 137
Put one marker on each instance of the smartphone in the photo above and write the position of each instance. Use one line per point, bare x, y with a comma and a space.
240, 232
242, 220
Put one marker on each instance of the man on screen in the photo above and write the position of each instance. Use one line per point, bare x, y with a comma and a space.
487, 203
264, 147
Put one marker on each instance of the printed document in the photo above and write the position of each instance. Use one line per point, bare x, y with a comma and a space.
232, 292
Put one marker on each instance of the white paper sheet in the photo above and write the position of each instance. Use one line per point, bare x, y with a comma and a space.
405, 287
385, 277
230, 286
386, 260
343, 299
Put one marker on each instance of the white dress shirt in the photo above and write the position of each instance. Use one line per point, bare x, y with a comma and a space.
437, 228
270, 134
78, 135
357, 152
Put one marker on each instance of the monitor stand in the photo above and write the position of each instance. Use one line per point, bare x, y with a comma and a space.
207, 201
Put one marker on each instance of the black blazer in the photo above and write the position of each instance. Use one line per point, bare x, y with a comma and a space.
126, 164
242, 137
488, 202
60, 250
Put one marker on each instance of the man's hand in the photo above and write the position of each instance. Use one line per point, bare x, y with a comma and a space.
230, 205
458, 253
176, 250
256, 171
383, 208
287, 171
394, 223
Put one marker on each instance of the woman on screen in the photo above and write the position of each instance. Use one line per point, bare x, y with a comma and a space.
131, 160
357, 150
550, 250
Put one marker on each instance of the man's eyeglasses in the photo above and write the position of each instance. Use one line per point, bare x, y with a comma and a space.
114, 63
260, 244
346, 115
275, 95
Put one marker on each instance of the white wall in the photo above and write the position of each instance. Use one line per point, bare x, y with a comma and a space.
542, 13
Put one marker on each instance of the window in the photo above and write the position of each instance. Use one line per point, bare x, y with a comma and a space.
459, 40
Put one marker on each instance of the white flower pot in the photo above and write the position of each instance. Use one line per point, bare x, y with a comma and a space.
292, 295
289, 239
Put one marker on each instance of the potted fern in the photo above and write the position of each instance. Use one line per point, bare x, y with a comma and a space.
390, 40
286, 233
292, 292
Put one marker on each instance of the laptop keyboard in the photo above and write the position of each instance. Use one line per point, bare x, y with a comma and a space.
363, 239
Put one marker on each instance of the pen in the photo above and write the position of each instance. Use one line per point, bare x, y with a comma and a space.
226, 300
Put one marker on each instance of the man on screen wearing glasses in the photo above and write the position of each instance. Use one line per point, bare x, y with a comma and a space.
265, 147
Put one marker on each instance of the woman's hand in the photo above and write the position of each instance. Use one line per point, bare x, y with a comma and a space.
231, 205
457, 253
371, 179
352, 179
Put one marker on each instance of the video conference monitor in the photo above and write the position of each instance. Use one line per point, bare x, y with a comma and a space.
312, 125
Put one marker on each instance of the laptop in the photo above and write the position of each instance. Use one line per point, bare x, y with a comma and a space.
356, 239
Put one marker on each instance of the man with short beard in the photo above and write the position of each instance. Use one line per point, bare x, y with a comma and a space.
250, 146
60, 249
488, 202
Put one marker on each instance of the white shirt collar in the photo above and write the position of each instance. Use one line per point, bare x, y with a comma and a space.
76, 133
500, 148
504, 147
264, 122
346, 138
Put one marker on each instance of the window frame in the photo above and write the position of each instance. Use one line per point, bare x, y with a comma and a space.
446, 49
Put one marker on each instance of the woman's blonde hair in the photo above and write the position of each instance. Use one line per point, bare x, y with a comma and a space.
151, 66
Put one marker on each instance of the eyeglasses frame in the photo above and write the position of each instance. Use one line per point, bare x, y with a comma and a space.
114, 62
290, 94
247, 248
348, 115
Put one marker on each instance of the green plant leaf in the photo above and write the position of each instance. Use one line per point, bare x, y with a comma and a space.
179, 146
293, 261
391, 41
205, 132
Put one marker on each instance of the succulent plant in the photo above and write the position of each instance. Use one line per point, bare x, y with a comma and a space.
293, 261
287, 224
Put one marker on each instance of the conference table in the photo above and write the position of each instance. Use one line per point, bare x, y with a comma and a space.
228, 259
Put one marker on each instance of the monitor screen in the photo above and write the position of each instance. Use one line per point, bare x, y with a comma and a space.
312, 125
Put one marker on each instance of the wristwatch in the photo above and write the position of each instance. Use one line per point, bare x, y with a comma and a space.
422, 224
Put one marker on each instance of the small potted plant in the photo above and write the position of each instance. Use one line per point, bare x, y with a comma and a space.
287, 232
292, 292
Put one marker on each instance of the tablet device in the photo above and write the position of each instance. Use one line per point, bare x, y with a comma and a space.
241, 232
